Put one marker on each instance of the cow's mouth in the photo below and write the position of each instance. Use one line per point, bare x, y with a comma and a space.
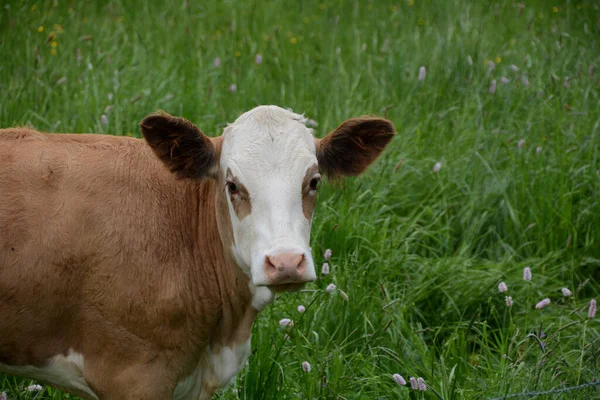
287, 287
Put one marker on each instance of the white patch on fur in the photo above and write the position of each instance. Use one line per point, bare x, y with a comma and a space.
217, 368
262, 296
190, 387
66, 372
269, 150
227, 362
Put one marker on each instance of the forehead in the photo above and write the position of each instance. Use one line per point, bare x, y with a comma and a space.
267, 138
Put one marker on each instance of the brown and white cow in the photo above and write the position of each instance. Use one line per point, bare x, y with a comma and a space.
123, 279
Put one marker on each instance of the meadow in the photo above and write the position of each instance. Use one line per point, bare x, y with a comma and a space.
495, 168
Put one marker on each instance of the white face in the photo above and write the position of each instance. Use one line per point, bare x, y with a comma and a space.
267, 158
266, 173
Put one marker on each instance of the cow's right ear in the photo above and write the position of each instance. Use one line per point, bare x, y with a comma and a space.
181, 146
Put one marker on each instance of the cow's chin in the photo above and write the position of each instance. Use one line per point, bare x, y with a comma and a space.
286, 287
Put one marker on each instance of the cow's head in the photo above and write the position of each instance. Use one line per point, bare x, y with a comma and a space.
267, 166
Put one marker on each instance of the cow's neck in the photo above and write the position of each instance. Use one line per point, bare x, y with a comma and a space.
234, 305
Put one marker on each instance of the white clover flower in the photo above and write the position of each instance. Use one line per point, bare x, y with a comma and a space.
413, 383
399, 379
286, 322
592, 310
34, 388
542, 303
502, 287
312, 123
306, 366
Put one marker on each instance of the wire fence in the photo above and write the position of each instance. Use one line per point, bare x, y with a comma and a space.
553, 391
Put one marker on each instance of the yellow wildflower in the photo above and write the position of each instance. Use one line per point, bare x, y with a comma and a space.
293, 40
322, 6
555, 9
53, 52
238, 54
54, 43
58, 28
543, 138
40, 28
498, 59
411, 3
394, 8
421, 22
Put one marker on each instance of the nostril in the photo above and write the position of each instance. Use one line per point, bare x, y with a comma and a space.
302, 264
270, 263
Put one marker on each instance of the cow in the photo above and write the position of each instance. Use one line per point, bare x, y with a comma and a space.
134, 268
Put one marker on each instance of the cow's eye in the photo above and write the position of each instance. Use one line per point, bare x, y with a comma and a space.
232, 187
314, 182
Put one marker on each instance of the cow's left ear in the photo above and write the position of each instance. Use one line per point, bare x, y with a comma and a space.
181, 146
353, 146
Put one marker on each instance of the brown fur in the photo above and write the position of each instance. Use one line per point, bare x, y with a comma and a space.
105, 252
177, 142
353, 146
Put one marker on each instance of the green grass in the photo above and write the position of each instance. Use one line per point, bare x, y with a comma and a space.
419, 254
